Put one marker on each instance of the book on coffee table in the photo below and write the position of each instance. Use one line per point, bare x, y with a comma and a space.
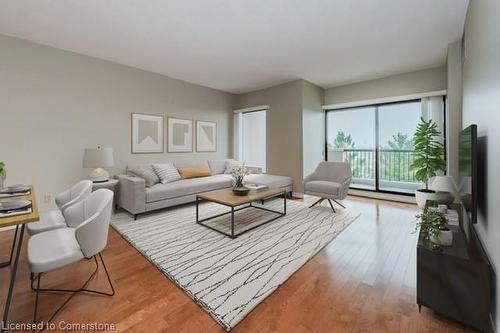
256, 187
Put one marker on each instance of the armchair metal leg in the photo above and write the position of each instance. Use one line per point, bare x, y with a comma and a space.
317, 202
338, 203
331, 205
73, 292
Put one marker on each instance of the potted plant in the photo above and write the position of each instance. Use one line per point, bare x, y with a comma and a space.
429, 152
434, 228
239, 172
3, 174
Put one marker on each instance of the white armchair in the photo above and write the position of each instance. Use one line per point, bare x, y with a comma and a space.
85, 238
330, 180
55, 218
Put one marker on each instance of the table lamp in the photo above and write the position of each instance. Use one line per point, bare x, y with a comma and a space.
445, 187
98, 158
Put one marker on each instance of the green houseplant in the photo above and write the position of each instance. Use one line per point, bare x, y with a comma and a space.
3, 173
429, 158
432, 224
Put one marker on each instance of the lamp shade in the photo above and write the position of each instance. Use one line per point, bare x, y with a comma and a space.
443, 184
98, 157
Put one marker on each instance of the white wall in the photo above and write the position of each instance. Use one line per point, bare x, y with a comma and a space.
56, 103
284, 128
426, 80
481, 106
313, 127
453, 105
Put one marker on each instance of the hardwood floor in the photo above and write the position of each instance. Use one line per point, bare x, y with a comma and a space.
363, 281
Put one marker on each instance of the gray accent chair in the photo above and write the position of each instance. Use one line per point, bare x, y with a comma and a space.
85, 238
54, 219
330, 181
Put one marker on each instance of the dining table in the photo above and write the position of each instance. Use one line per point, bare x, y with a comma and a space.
19, 222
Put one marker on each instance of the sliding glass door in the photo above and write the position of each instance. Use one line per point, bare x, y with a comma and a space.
396, 126
377, 142
351, 137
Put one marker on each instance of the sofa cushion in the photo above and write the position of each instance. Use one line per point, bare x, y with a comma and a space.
195, 172
321, 186
145, 172
186, 187
269, 180
167, 172
217, 167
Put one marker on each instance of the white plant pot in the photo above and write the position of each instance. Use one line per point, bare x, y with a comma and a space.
422, 197
444, 238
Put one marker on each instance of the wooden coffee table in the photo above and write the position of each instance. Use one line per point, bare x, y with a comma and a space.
227, 198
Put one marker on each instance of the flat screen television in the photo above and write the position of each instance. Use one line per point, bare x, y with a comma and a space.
467, 184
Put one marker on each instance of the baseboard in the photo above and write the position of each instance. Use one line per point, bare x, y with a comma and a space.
383, 196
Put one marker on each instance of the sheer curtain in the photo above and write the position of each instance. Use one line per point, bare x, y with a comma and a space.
433, 109
250, 136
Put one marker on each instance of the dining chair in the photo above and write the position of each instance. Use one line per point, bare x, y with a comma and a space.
85, 238
54, 219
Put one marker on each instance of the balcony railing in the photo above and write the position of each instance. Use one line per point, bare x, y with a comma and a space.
394, 166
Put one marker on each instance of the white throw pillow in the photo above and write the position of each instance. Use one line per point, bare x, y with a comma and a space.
166, 172
230, 164
217, 167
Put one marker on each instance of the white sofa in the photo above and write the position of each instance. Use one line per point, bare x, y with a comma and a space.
136, 198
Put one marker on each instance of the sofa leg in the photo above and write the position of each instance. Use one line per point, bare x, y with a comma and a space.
135, 217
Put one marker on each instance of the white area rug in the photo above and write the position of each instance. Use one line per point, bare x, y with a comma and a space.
228, 278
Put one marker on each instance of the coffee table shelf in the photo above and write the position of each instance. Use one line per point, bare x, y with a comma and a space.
226, 197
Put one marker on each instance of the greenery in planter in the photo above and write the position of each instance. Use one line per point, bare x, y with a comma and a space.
431, 222
3, 171
429, 152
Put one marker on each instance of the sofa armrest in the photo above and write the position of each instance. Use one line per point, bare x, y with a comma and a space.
132, 194
345, 188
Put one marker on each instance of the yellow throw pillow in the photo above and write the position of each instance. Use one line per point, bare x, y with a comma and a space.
195, 172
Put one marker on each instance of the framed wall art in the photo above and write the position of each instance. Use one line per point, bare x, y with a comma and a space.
147, 133
206, 136
179, 135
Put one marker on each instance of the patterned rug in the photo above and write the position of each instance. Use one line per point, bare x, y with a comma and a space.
228, 278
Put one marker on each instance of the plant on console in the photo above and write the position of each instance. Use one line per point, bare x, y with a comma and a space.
431, 223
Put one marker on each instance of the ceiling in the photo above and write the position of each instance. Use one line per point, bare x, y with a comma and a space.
243, 45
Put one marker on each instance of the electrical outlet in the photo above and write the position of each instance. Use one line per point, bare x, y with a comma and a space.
47, 198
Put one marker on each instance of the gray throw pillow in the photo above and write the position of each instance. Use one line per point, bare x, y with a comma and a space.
146, 173
167, 172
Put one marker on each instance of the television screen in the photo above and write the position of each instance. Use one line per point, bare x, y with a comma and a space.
467, 185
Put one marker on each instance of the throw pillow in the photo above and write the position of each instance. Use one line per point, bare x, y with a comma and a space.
217, 166
195, 172
230, 164
167, 172
145, 172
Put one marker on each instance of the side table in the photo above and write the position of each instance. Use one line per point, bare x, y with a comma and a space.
111, 184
